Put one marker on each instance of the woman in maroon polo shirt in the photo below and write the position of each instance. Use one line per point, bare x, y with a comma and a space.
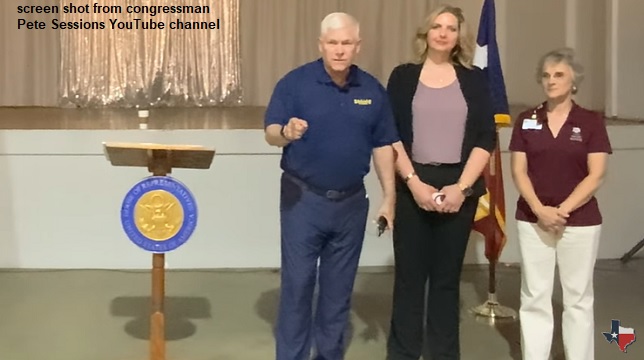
559, 154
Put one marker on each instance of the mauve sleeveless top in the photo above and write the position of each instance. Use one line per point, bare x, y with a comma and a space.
438, 123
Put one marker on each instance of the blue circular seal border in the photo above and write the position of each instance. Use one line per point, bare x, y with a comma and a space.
176, 188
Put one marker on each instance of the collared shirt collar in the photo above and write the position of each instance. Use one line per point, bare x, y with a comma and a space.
541, 113
324, 77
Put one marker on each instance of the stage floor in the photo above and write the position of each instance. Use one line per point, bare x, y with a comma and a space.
179, 118
227, 315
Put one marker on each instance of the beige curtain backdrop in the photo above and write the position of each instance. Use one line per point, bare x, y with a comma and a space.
29, 59
279, 35
275, 36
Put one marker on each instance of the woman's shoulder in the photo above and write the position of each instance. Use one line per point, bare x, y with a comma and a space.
406, 68
586, 112
532, 112
583, 115
408, 65
471, 73
404, 75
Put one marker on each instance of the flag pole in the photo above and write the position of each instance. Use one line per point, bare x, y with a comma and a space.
491, 308
487, 58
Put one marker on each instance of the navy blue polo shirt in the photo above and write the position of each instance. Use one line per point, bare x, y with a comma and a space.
344, 124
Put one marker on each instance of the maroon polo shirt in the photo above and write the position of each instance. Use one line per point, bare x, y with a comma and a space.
557, 165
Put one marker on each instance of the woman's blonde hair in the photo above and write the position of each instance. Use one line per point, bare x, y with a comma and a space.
463, 52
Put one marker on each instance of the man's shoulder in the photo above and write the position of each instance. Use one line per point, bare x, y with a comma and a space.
310, 67
300, 72
367, 78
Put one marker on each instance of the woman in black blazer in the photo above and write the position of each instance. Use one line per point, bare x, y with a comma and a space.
446, 124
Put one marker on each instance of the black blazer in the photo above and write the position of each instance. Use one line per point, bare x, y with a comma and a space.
480, 128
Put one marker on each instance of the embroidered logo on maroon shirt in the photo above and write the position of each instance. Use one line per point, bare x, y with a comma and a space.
576, 134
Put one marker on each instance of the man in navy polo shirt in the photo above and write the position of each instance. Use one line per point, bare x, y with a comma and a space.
330, 117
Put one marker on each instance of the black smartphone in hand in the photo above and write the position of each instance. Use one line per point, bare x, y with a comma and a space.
382, 225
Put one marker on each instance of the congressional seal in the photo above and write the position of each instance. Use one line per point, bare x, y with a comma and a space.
159, 214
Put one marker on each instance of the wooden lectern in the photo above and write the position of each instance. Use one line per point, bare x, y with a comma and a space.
159, 160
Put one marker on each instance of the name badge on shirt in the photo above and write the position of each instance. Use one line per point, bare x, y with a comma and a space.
531, 124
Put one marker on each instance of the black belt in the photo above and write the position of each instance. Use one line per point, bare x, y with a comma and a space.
336, 195
432, 163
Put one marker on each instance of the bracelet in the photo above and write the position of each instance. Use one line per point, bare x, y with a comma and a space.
282, 132
411, 175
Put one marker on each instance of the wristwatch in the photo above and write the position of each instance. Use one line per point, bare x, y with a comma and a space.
466, 190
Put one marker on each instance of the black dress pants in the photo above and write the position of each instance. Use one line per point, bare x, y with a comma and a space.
428, 247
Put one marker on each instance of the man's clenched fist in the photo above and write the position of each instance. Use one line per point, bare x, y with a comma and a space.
294, 129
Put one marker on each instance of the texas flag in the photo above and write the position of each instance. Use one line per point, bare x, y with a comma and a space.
487, 58
621, 335
490, 216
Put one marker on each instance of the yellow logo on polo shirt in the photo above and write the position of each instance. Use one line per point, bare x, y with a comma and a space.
362, 101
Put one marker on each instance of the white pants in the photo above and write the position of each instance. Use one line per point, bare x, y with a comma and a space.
574, 252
